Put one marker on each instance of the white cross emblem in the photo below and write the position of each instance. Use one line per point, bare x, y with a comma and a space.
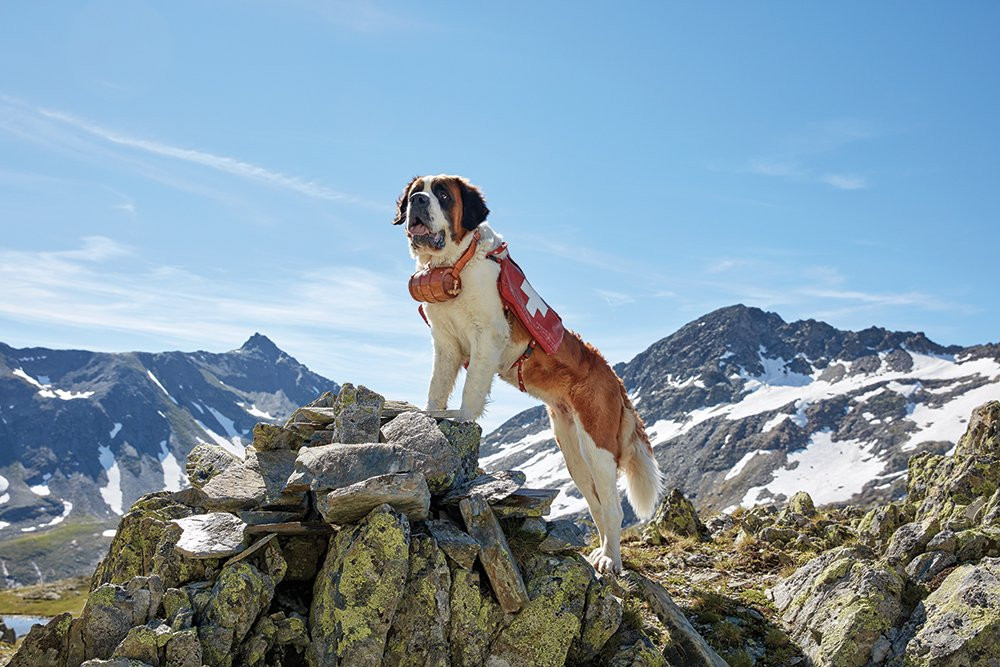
535, 302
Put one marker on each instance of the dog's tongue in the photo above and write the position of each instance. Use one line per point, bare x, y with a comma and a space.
419, 229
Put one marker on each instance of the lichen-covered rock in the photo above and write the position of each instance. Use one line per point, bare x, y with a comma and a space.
212, 535
525, 503
206, 461
464, 438
239, 595
878, 525
111, 611
475, 619
910, 540
356, 415
839, 605
45, 644
962, 625
138, 539
183, 650
802, 503
275, 630
419, 632
541, 633
143, 643
358, 589
303, 555
269, 437
676, 515
406, 492
601, 619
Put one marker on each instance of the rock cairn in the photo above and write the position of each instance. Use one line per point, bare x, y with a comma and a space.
921, 584
358, 533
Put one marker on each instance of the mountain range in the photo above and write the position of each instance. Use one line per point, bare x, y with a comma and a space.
744, 408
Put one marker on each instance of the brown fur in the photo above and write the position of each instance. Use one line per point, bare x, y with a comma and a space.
578, 378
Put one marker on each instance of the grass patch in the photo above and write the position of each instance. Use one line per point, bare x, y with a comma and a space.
49, 599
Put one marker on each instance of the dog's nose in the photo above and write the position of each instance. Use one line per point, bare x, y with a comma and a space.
420, 201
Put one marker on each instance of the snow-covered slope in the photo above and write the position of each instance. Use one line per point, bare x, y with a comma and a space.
743, 407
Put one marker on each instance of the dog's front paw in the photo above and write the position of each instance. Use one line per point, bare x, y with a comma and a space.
603, 563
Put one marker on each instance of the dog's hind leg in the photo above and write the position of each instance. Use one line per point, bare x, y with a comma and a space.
565, 430
603, 471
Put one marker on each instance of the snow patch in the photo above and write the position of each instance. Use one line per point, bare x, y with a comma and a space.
947, 422
67, 508
738, 468
234, 445
173, 476
112, 491
254, 411
115, 430
39, 489
513, 447
45, 390
226, 423
109, 533
830, 471
162, 388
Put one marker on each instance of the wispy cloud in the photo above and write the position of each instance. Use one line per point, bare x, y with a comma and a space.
222, 163
794, 160
66, 131
844, 181
613, 298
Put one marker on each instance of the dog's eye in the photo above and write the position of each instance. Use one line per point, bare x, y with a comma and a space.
442, 195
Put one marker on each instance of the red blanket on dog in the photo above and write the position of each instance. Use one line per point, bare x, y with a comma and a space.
543, 323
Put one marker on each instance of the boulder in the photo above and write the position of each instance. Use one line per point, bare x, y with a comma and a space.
841, 606
493, 486
802, 503
406, 493
239, 595
675, 515
268, 437
475, 618
443, 463
206, 461
962, 625
44, 644
354, 416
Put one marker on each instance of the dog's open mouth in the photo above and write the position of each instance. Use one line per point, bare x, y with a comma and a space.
421, 235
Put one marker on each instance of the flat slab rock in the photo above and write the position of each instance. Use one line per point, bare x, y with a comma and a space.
335, 466
456, 544
213, 535
407, 493
493, 486
495, 554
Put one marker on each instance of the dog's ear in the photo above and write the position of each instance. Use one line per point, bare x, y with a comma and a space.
474, 209
403, 202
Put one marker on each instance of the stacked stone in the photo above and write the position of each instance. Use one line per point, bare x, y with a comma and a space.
358, 533
922, 586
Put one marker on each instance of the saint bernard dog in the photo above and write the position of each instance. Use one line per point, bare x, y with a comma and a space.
595, 424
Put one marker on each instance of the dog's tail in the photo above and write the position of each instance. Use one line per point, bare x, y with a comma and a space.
643, 479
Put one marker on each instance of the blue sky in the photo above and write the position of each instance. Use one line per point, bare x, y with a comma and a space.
179, 175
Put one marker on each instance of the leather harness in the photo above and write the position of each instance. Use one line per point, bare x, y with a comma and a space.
443, 283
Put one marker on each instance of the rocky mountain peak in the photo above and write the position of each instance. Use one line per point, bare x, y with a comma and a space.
261, 344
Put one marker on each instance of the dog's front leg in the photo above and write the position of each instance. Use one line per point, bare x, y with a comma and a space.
484, 362
447, 361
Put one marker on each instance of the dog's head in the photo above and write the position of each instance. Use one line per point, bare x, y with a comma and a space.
438, 211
